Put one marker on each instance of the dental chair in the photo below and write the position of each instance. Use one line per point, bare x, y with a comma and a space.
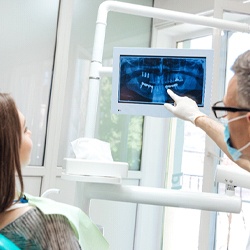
6, 244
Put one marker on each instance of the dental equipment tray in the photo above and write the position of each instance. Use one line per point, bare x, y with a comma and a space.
83, 167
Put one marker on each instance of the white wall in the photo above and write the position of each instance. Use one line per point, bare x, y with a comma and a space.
191, 6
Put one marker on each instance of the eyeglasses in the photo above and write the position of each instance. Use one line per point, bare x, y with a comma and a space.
220, 110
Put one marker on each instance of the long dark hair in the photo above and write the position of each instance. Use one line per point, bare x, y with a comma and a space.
10, 142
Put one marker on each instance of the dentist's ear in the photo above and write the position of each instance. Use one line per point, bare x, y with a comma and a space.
248, 120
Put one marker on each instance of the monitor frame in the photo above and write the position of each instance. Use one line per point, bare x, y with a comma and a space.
151, 108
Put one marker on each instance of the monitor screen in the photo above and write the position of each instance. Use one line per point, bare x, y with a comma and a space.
141, 77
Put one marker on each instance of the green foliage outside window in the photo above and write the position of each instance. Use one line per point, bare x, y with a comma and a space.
123, 132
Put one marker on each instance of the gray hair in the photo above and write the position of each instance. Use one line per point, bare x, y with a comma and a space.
241, 68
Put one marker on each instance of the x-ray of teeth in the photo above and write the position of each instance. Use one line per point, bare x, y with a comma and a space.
146, 79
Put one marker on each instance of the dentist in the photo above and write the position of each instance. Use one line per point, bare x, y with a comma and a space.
233, 137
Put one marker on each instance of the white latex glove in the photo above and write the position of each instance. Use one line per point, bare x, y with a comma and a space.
185, 108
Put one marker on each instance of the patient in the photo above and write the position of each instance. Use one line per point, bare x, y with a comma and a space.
21, 220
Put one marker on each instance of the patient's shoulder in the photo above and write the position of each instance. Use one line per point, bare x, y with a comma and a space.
11, 215
45, 231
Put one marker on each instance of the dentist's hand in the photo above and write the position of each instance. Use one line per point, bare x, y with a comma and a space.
185, 108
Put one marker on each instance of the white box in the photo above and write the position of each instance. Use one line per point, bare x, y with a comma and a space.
95, 168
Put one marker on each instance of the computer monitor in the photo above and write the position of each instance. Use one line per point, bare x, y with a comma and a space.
141, 77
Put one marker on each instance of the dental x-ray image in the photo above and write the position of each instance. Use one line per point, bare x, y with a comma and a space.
142, 76
145, 79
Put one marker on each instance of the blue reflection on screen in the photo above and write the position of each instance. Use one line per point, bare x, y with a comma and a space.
145, 79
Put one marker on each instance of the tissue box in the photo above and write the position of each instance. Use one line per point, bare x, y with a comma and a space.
84, 167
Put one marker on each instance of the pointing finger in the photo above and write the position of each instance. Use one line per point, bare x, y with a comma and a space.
173, 95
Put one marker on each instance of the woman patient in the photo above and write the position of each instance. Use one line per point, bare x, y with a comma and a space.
20, 220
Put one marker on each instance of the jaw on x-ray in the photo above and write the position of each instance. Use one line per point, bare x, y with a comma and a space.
146, 79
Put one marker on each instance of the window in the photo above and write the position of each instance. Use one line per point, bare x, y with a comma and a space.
188, 154
27, 50
123, 132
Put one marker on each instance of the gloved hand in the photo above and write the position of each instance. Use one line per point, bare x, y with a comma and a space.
185, 108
